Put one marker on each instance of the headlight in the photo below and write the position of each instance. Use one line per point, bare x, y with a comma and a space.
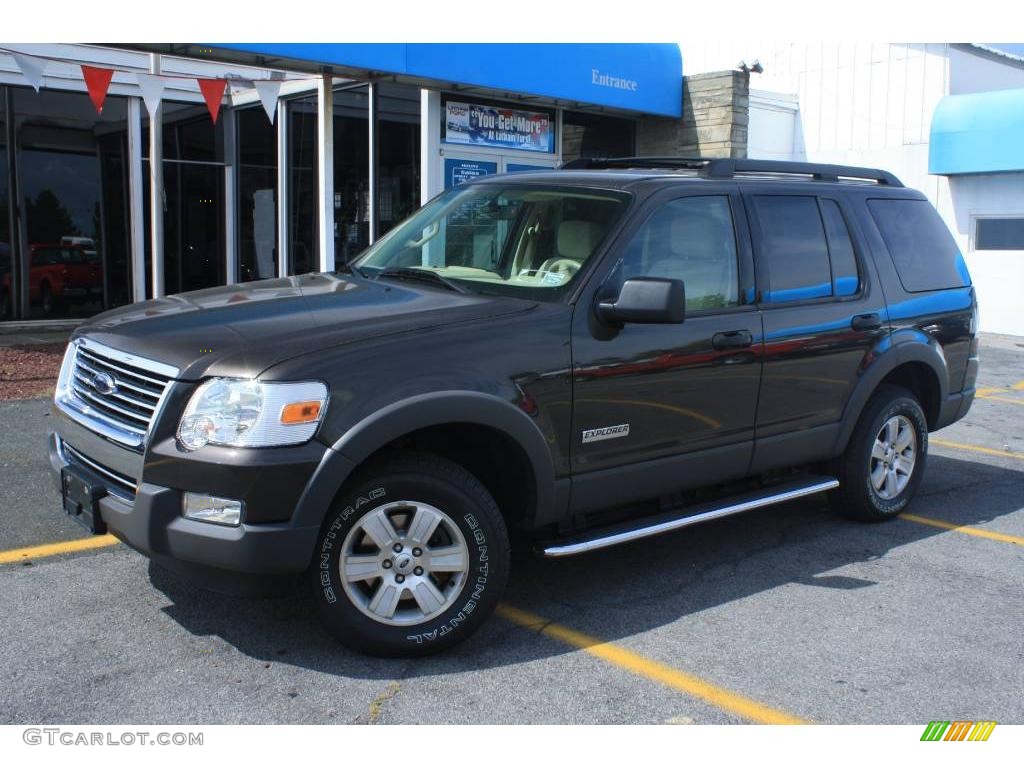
246, 413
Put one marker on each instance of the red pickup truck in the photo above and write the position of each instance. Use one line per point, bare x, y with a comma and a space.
63, 274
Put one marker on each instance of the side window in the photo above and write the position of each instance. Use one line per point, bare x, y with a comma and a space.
845, 281
794, 248
924, 252
691, 239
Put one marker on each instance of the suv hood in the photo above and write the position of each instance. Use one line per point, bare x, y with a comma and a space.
241, 330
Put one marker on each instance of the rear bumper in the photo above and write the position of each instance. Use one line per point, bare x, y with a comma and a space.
955, 408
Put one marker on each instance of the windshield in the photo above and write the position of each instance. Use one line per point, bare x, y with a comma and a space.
518, 240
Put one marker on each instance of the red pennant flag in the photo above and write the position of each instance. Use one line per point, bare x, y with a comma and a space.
97, 80
213, 92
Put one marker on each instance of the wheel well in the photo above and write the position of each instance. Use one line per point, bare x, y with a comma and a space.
493, 457
920, 379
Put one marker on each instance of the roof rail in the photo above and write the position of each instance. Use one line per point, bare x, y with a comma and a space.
596, 163
727, 168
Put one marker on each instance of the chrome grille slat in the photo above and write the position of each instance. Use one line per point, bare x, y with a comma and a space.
136, 387
125, 398
128, 385
125, 486
125, 371
91, 397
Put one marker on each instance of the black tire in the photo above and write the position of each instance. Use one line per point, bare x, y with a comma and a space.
47, 300
434, 483
857, 496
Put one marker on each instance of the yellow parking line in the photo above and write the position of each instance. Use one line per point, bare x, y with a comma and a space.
735, 703
975, 448
1001, 399
969, 530
57, 548
1019, 386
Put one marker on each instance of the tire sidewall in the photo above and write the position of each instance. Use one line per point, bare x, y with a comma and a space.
485, 580
900, 406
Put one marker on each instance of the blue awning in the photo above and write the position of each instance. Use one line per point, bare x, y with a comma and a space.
640, 77
978, 133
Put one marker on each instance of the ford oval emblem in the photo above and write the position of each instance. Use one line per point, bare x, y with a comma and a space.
104, 384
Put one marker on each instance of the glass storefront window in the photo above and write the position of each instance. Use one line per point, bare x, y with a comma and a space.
398, 154
303, 253
6, 224
257, 195
73, 186
194, 242
598, 136
351, 173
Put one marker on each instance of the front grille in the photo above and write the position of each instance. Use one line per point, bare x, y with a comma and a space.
114, 393
116, 483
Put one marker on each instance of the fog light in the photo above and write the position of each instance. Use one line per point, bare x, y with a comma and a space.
212, 509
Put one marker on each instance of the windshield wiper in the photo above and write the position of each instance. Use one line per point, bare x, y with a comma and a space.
350, 269
423, 275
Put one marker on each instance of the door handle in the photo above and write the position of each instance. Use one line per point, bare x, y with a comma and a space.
869, 322
732, 340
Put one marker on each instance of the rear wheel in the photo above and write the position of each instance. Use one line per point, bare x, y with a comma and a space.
47, 299
885, 458
412, 559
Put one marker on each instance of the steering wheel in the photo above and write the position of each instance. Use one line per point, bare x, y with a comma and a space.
560, 265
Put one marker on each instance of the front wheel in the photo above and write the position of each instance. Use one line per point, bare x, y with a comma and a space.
885, 458
412, 559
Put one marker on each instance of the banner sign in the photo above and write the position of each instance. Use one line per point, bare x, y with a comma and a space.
482, 126
458, 171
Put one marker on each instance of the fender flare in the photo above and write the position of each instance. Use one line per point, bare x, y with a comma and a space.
378, 429
915, 348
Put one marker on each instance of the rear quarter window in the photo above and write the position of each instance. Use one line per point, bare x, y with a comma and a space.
924, 252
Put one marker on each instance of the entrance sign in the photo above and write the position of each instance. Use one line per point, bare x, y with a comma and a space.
485, 126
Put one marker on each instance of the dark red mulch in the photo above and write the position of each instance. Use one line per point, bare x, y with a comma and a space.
29, 370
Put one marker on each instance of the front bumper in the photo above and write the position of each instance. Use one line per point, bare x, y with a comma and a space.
147, 515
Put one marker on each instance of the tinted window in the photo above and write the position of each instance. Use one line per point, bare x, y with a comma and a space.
691, 239
793, 247
844, 264
923, 250
999, 235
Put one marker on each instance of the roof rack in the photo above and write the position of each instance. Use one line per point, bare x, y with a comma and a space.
727, 168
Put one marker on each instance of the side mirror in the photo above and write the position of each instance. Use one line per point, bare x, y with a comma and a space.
646, 300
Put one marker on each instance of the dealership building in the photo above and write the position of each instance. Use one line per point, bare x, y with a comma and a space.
98, 209
318, 149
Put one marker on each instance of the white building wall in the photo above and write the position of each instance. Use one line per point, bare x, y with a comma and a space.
998, 276
971, 73
773, 130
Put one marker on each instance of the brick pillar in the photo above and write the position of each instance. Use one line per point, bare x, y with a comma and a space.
714, 123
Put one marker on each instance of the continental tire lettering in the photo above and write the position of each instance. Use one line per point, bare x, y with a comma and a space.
478, 588
332, 534
360, 502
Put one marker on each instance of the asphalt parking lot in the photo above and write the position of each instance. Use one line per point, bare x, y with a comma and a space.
789, 613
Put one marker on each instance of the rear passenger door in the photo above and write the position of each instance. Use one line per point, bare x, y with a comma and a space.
823, 311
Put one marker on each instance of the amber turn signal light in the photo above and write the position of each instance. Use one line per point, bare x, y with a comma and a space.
301, 413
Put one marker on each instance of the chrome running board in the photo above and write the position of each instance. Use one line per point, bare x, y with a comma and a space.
653, 526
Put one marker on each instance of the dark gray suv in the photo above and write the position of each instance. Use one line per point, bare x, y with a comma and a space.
573, 359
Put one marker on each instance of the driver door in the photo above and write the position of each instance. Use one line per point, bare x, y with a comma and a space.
662, 406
